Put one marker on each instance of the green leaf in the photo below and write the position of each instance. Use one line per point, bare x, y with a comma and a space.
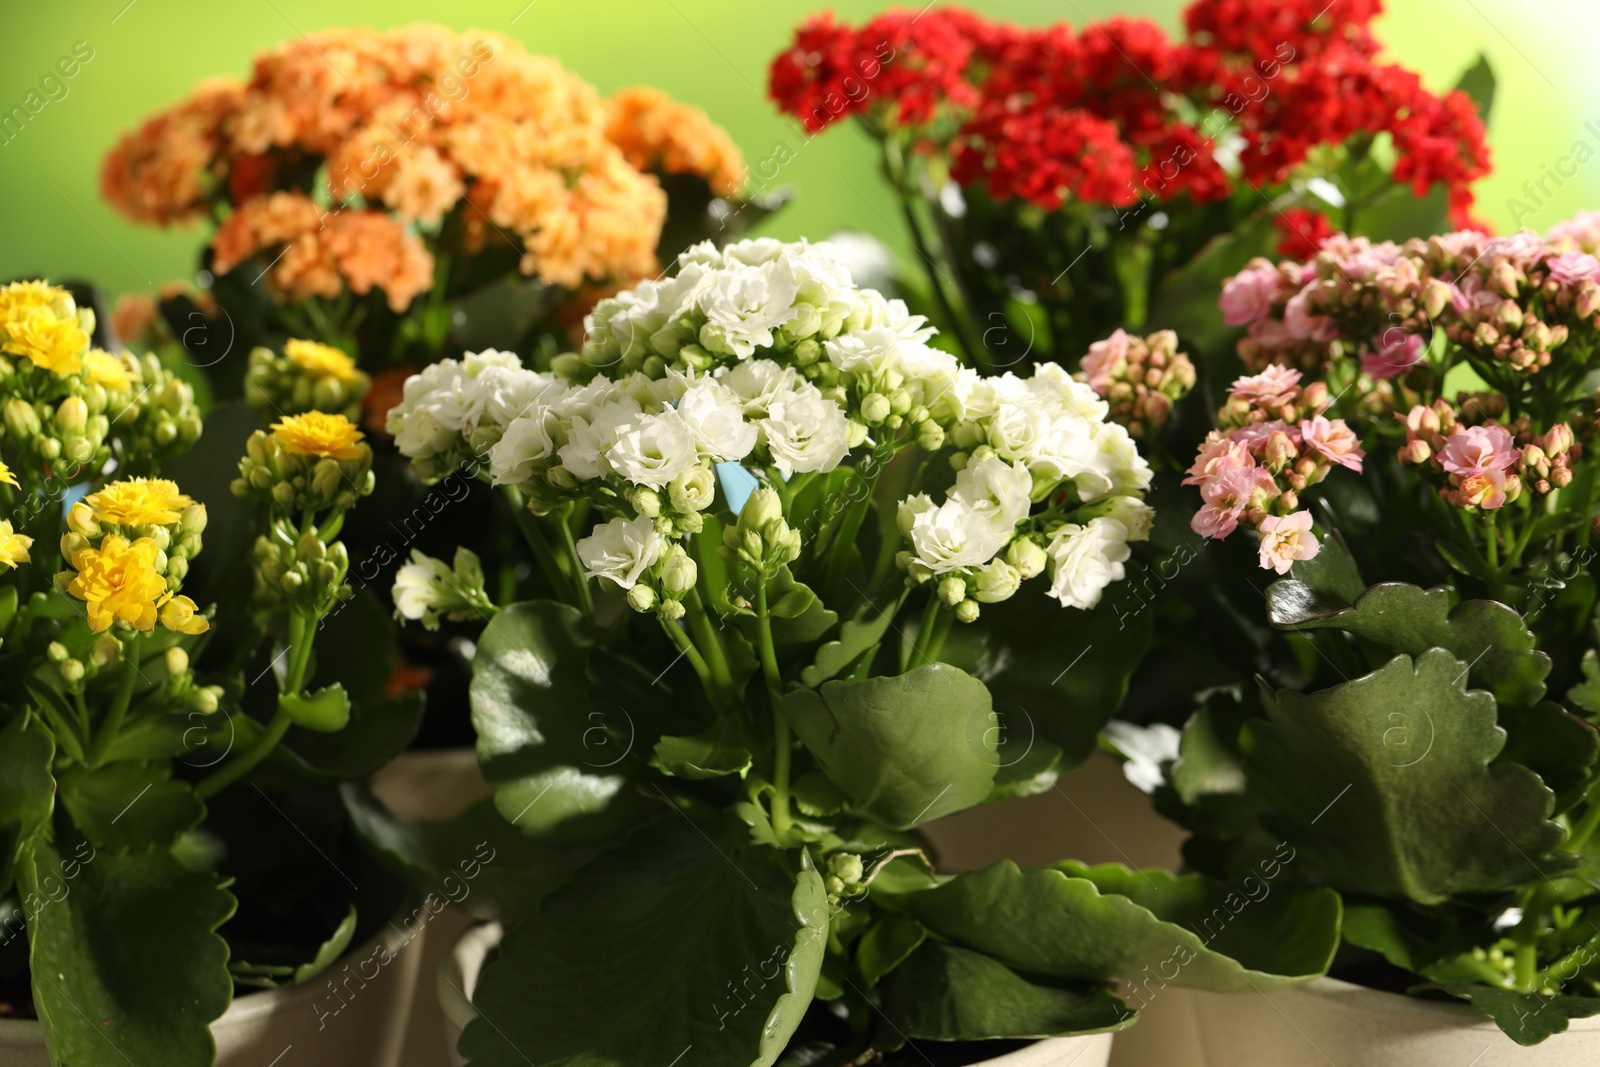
477, 862
721, 749
886, 944
27, 792
1391, 784
1586, 694
1526, 1018
127, 965
130, 805
857, 637
1059, 674
378, 731
689, 937
946, 993
1100, 923
530, 699
324, 711
799, 618
1377, 928
1555, 744
1489, 636
905, 749
329, 951
1478, 82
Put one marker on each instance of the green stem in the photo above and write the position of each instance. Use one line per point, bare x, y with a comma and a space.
681, 641
781, 742
302, 635
936, 620
542, 550
119, 703
247, 760
722, 690
1585, 827
574, 568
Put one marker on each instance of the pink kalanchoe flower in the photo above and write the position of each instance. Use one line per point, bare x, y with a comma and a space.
1303, 324
1104, 359
1286, 538
1484, 489
1217, 452
1334, 439
1397, 352
1227, 493
1272, 388
1254, 437
1479, 450
1247, 296
1570, 268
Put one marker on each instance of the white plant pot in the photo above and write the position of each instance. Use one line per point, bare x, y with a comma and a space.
364, 1026
458, 976
1328, 1022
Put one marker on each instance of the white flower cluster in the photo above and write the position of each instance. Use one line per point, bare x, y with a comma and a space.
765, 354
1027, 441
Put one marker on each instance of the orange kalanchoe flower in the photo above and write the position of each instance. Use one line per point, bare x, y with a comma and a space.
424, 126
657, 132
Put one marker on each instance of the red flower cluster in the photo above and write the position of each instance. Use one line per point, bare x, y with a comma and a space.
1107, 116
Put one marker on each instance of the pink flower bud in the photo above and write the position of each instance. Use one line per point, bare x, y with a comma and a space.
1415, 451
1435, 297
1557, 440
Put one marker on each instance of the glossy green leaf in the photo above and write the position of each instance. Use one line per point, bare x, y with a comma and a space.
1100, 923
1526, 1018
530, 708
1489, 636
1390, 784
126, 961
857, 637
1586, 694
690, 937
323, 711
130, 805
886, 944
1555, 744
905, 749
948, 993
27, 791
719, 750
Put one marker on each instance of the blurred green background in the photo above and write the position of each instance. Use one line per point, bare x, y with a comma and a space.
713, 53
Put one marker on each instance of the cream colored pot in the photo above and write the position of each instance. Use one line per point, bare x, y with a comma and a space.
352, 1015
458, 974
1328, 1022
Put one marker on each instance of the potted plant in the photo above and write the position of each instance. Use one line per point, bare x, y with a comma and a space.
406, 195
1425, 744
172, 837
810, 567
1058, 185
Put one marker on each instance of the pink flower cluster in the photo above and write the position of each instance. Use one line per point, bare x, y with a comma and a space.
1488, 465
1141, 377
1508, 302
1272, 444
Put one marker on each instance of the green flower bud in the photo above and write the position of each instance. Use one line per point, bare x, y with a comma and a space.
678, 572
996, 581
641, 598
693, 490
1027, 556
72, 414
952, 590
71, 671
22, 422
875, 408
177, 661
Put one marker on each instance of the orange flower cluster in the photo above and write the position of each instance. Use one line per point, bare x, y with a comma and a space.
408, 129
657, 132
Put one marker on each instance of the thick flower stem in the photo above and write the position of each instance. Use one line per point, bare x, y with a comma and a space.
781, 741
302, 633
118, 712
936, 622
571, 566
681, 641
716, 657
559, 576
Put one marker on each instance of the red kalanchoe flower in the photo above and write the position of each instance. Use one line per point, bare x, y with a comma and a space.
1303, 231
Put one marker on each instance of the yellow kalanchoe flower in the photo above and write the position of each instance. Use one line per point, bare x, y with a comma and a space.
13, 546
139, 502
181, 614
6, 477
105, 370
118, 581
322, 360
47, 340
317, 433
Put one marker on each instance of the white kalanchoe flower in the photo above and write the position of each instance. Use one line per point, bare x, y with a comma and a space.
621, 551
714, 413
949, 537
1085, 559
805, 432
652, 450
999, 490
526, 443
590, 441
425, 589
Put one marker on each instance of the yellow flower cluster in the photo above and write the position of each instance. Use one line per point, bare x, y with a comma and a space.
319, 434
418, 123
42, 324
133, 580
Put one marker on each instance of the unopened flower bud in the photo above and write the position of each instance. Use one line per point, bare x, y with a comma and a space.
967, 611
952, 590
72, 414
1028, 557
177, 661
875, 408
678, 572
641, 598
21, 420
996, 581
